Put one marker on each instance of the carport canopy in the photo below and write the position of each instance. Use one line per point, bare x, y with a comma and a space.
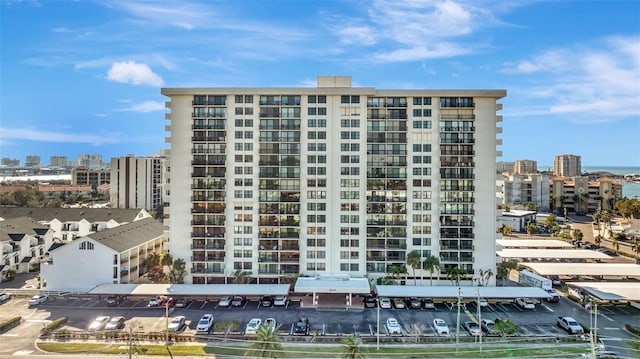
610, 290
552, 253
589, 269
191, 289
466, 292
533, 243
333, 284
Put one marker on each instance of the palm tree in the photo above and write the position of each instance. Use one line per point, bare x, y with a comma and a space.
413, 261
598, 240
484, 277
351, 348
267, 343
455, 274
635, 247
431, 264
397, 271
178, 271
241, 277
577, 234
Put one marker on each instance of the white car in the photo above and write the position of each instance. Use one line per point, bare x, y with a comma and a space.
154, 301
385, 303
270, 322
525, 303
224, 301
38, 299
205, 323
441, 327
252, 326
177, 323
99, 323
115, 323
393, 327
483, 302
473, 328
5, 297
280, 300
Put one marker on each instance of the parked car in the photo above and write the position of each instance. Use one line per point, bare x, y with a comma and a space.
487, 326
115, 323
472, 328
385, 303
5, 297
280, 300
266, 301
205, 323
483, 302
237, 301
99, 323
525, 303
224, 301
370, 301
177, 323
398, 303
154, 301
393, 327
270, 322
441, 326
114, 300
301, 327
252, 326
38, 299
428, 303
414, 303
169, 303
182, 303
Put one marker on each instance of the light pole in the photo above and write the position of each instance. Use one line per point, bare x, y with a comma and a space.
378, 327
480, 318
458, 322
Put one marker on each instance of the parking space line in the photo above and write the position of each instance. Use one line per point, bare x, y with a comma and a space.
549, 309
602, 315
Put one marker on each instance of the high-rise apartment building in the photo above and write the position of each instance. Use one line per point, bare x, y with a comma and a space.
525, 167
32, 161
567, 166
86, 176
90, 161
10, 162
332, 179
136, 182
58, 161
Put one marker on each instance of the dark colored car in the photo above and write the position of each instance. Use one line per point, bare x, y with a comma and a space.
182, 303
301, 327
370, 301
114, 300
266, 301
414, 303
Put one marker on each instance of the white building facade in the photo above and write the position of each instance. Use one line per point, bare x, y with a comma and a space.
136, 182
530, 188
332, 179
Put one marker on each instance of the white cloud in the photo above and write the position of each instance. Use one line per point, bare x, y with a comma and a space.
440, 50
49, 136
146, 106
599, 81
134, 73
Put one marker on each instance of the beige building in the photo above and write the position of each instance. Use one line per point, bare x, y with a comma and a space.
92, 177
567, 166
137, 182
334, 179
525, 167
580, 195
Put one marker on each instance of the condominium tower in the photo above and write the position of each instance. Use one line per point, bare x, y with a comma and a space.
136, 182
567, 166
333, 179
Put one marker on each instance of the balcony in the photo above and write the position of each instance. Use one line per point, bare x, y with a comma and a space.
457, 164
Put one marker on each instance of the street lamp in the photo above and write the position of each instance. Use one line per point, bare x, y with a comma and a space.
458, 322
378, 326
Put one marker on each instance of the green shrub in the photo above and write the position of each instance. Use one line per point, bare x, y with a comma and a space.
574, 298
632, 329
54, 325
10, 323
225, 326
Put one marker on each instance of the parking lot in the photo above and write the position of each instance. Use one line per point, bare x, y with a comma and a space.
360, 321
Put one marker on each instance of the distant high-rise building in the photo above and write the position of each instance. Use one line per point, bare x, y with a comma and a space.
32, 161
567, 166
332, 179
505, 167
58, 161
93, 162
136, 182
86, 176
525, 167
10, 162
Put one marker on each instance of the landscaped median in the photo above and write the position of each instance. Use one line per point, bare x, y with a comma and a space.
10, 323
231, 347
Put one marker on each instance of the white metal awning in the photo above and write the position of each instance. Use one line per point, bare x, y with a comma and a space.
465, 292
332, 284
592, 269
610, 290
533, 243
191, 289
552, 253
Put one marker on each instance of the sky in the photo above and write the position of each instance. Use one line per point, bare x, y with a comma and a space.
84, 77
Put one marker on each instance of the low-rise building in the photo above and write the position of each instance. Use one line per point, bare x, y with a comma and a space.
581, 195
517, 189
517, 219
115, 255
23, 244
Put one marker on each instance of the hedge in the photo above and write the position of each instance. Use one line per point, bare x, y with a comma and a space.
632, 329
54, 324
10, 323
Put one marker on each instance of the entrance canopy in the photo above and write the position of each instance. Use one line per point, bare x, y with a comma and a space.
191, 289
610, 290
533, 243
332, 284
465, 292
552, 253
590, 269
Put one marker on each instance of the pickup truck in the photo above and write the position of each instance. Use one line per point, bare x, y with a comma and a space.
570, 325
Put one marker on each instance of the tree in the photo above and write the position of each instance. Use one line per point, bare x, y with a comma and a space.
484, 277
413, 261
598, 239
351, 348
431, 264
504, 268
267, 343
550, 221
531, 228
386, 280
635, 247
397, 271
506, 327
178, 271
455, 274
577, 234
506, 230
241, 277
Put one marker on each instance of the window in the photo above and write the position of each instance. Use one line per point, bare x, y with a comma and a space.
248, 122
427, 101
239, 99
355, 99
417, 112
322, 99
248, 99
426, 113
238, 123
344, 99
311, 99
238, 110
248, 110
85, 246
322, 111
417, 101
311, 111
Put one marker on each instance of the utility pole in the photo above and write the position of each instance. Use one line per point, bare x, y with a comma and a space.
130, 339
480, 318
378, 327
458, 322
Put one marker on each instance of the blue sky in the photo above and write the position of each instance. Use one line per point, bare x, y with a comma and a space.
85, 76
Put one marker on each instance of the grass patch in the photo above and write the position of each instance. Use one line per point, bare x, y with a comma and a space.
515, 350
